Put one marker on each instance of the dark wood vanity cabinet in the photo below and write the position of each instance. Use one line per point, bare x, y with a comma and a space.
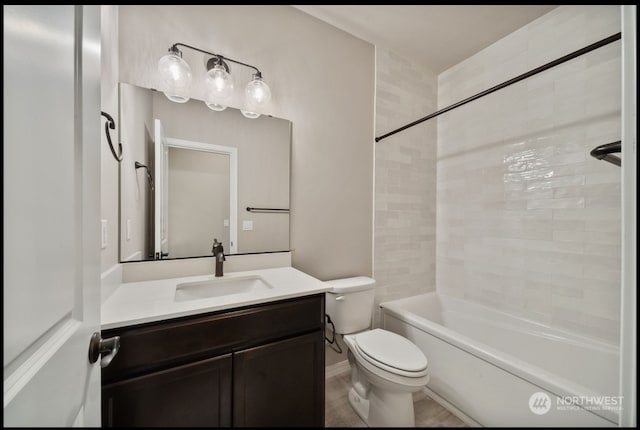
261, 365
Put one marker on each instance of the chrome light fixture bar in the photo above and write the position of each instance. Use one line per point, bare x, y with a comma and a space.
176, 79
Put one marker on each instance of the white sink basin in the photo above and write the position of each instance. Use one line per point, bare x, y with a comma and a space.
220, 287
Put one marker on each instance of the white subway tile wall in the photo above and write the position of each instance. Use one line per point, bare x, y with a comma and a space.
527, 221
405, 180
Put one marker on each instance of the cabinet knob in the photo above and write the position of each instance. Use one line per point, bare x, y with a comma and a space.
107, 348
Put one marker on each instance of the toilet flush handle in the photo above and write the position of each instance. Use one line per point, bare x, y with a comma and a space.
339, 298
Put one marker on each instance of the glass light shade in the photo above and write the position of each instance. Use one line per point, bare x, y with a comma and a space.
219, 83
176, 77
214, 104
257, 92
249, 114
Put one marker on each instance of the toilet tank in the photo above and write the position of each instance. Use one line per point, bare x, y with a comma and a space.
349, 304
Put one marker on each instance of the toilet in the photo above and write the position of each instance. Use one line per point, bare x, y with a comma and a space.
386, 368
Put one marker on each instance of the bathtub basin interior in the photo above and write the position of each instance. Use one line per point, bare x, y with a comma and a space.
480, 341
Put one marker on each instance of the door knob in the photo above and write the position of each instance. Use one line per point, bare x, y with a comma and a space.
107, 348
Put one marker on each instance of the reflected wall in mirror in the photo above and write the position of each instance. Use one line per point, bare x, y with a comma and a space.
206, 168
190, 174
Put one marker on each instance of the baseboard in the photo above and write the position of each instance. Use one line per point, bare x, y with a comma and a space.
337, 369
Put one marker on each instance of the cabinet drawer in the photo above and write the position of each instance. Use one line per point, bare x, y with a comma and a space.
154, 346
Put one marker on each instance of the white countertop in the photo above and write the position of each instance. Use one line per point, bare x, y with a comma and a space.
148, 301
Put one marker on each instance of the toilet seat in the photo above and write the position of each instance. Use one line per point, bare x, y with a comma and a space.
391, 352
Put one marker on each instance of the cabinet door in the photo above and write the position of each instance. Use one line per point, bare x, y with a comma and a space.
280, 383
193, 395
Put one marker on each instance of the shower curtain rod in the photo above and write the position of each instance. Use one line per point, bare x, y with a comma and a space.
526, 75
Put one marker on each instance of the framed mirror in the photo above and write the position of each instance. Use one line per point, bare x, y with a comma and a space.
190, 174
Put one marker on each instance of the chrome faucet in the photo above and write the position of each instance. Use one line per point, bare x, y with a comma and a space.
218, 253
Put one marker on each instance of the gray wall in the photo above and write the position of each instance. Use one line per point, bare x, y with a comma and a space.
136, 205
405, 179
198, 189
109, 256
322, 79
405, 184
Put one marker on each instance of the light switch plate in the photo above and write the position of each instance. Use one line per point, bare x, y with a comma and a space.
104, 234
128, 229
247, 225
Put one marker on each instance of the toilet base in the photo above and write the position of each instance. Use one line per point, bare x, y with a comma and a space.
384, 408
359, 404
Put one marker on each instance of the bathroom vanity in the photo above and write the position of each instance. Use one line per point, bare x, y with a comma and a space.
248, 358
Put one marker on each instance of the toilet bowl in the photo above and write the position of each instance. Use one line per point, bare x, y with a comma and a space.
386, 368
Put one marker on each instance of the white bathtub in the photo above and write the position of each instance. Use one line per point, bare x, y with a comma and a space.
486, 365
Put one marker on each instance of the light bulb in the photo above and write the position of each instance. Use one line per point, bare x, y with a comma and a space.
219, 82
176, 76
257, 92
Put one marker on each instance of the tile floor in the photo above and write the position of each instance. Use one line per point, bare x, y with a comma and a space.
338, 411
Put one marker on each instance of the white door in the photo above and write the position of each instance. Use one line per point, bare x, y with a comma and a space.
51, 186
161, 196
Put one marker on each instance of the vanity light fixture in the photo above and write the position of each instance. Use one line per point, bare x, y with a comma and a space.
176, 78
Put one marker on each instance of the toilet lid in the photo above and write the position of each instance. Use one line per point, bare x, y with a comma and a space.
391, 349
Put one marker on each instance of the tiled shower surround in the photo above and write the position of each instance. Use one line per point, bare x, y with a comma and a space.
527, 221
405, 180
